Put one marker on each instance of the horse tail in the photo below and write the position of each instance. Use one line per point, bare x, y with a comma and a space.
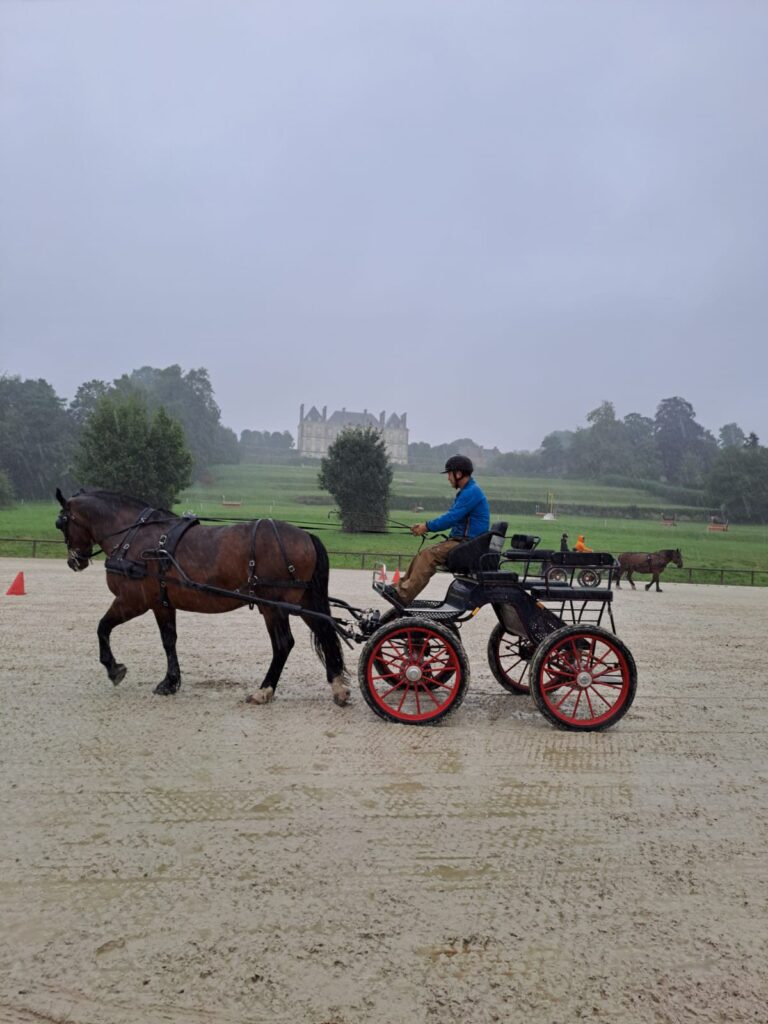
325, 639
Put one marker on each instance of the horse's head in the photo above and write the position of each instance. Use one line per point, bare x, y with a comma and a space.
677, 558
77, 536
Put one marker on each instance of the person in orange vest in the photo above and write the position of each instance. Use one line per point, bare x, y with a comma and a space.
580, 545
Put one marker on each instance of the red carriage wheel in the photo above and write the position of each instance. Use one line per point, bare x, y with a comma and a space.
390, 616
589, 578
413, 671
556, 575
509, 657
583, 677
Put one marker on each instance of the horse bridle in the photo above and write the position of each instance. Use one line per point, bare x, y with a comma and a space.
76, 558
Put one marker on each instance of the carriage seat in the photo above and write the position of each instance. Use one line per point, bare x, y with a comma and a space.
580, 559
481, 554
524, 541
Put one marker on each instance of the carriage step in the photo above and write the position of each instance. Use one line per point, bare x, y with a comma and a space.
444, 614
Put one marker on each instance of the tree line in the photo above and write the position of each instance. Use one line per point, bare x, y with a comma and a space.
150, 430
670, 454
154, 430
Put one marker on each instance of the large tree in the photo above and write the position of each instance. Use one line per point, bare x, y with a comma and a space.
645, 463
602, 448
6, 490
86, 399
35, 437
554, 452
125, 448
731, 436
738, 483
188, 398
358, 474
686, 449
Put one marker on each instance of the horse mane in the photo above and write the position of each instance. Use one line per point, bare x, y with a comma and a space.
115, 500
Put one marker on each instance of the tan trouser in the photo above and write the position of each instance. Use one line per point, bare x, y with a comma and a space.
423, 568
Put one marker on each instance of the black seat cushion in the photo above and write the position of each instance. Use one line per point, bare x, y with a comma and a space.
480, 553
524, 541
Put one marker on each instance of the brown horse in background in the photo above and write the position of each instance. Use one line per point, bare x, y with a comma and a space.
654, 563
161, 562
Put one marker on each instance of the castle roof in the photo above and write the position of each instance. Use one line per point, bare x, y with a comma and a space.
343, 418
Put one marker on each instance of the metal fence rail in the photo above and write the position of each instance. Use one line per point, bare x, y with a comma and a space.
400, 560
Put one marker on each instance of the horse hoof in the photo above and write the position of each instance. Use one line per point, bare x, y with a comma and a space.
166, 688
263, 696
117, 675
340, 692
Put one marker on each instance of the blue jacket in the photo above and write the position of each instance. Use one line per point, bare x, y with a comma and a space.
468, 516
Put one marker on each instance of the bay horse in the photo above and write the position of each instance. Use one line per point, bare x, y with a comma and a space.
162, 562
653, 562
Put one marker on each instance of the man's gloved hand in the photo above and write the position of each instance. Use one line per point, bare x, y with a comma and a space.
419, 529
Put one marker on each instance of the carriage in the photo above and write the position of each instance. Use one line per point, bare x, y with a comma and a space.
550, 637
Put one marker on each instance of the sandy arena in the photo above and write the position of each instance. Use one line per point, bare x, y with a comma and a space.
195, 859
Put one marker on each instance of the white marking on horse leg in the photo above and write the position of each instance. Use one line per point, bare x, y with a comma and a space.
340, 691
261, 696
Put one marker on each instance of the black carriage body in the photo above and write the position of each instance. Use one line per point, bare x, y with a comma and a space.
530, 607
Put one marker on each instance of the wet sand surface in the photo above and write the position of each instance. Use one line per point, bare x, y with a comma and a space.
196, 859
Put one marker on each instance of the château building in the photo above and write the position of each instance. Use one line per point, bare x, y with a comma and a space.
318, 430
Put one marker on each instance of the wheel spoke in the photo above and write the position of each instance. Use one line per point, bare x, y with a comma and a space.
601, 660
441, 658
405, 694
429, 693
589, 703
555, 670
565, 698
392, 689
575, 655
606, 671
597, 693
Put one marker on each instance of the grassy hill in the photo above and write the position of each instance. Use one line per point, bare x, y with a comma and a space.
298, 484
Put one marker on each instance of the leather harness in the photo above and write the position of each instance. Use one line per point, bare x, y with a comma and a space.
164, 554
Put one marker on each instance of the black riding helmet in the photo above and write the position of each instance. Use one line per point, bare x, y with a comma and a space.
459, 464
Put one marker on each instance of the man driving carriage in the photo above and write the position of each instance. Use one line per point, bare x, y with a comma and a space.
468, 517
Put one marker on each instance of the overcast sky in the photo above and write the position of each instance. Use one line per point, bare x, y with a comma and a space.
489, 215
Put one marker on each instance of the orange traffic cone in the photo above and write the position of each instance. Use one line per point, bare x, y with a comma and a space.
396, 578
383, 574
16, 589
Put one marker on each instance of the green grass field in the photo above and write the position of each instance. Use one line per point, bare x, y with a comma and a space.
259, 484
292, 493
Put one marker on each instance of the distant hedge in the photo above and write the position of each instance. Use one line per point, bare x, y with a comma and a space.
501, 506
671, 492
